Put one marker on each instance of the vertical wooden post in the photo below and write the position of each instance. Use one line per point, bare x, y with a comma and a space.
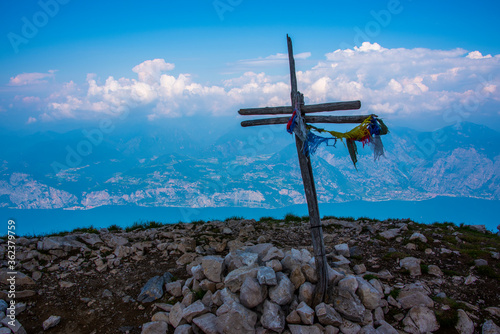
310, 191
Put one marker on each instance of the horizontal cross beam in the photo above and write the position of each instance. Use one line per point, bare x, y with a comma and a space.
349, 105
308, 119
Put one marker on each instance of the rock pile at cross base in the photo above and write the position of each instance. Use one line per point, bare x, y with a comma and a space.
243, 276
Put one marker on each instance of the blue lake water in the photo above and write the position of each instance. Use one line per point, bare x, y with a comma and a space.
456, 210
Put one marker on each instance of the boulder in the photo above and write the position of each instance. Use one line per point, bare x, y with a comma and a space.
420, 319
152, 291
266, 276
464, 324
273, 317
327, 315
489, 327
348, 305
252, 293
195, 309
298, 329
370, 297
412, 264
343, 249
213, 267
174, 288
235, 278
418, 236
175, 315
282, 293
386, 328
348, 327
184, 329
306, 293
306, 313
52, 321
390, 234
206, 323
155, 327
233, 317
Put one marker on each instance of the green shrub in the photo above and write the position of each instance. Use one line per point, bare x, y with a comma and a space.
488, 272
447, 319
292, 218
114, 227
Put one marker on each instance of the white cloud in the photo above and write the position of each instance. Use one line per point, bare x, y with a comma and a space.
25, 79
31, 120
272, 59
477, 55
396, 82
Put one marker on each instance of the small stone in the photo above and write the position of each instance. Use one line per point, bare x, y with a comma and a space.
282, 293
52, 321
298, 329
306, 313
480, 262
184, 329
252, 293
420, 319
489, 327
233, 317
349, 283
464, 324
266, 276
495, 311
342, 249
470, 280
273, 317
174, 288
213, 266
161, 316
195, 309
390, 234
275, 265
348, 327
155, 327
297, 277
435, 271
65, 284
152, 290
175, 315
235, 278
412, 264
327, 315
359, 269
306, 293
419, 236
206, 323
369, 296
293, 318
386, 328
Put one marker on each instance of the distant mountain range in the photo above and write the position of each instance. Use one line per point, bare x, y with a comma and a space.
253, 167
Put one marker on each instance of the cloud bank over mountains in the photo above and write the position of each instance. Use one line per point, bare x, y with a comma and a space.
397, 82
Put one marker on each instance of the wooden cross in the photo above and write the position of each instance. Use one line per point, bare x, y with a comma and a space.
305, 161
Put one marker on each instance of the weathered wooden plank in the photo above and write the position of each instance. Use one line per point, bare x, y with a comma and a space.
309, 119
311, 108
310, 192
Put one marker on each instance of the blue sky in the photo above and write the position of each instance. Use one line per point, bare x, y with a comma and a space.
423, 64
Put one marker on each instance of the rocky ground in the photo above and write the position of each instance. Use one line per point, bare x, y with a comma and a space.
247, 276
